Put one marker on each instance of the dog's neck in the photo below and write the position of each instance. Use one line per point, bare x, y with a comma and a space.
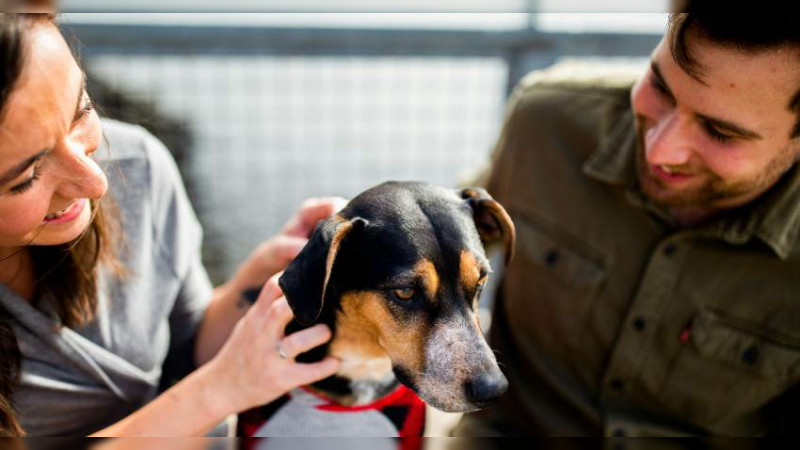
365, 373
369, 376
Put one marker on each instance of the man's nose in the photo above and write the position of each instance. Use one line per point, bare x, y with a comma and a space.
668, 142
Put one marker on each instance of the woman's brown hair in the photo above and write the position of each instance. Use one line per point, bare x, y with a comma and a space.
65, 273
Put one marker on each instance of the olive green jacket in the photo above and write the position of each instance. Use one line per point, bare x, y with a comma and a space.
610, 320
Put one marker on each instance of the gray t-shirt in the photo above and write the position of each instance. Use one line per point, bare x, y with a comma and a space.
77, 381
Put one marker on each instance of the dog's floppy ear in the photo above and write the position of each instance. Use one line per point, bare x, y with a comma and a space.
305, 280
491, 219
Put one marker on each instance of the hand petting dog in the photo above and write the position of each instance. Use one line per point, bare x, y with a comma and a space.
267, 259
255, 363
267, 370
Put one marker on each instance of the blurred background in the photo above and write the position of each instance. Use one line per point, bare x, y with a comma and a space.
263, 110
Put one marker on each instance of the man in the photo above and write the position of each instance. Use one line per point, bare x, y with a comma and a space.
656, 287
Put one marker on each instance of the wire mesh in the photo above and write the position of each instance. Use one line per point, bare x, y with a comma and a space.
267, 132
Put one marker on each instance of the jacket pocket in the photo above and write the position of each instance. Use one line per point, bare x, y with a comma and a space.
550, 286
557, 254
749, 347
730, 369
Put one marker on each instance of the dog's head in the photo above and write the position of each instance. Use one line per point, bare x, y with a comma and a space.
405, 264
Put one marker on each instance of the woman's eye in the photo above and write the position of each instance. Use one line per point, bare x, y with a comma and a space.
25, 185
85, 111
404, 294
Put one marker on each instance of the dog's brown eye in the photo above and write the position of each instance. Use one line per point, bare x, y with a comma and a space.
479, 288
404, 294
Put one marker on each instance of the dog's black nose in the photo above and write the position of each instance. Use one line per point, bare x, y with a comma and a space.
484, 389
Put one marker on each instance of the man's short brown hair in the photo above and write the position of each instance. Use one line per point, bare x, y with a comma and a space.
751, 32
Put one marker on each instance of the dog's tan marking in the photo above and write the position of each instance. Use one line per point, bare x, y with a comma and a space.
342, 229
430, 278
470, 270
356, 344
366, 327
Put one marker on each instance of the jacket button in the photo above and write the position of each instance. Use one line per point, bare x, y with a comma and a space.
670, 249
551, 258
616, 385
750, 356
639, 324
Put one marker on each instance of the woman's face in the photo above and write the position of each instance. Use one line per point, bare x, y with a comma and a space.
47, 133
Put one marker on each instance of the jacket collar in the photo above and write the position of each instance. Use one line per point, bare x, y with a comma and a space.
774, 217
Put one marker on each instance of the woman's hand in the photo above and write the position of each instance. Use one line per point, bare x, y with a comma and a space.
247, 372
273, 255
232, 299
256, 365
312, 211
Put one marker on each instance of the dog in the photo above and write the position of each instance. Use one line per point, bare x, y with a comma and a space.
396, 275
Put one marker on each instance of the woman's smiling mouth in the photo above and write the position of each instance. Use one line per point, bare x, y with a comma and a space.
67, 214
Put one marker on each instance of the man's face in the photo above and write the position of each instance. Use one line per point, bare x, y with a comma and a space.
722, 140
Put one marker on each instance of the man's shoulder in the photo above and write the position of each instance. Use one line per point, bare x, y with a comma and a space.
576, 87
558, 117
578, 76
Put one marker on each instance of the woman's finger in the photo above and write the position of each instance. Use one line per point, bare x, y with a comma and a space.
269, 293
305, 340
331, 205
285, 248
312, 211
277, 318
302, 374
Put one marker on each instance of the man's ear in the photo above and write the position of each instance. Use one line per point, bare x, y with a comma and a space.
491, 219
305, 280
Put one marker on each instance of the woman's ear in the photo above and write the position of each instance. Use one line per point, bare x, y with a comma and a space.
305, 280
491, 220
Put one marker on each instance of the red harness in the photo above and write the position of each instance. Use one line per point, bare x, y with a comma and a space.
303, 412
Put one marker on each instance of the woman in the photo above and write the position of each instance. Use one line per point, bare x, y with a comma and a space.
87, 314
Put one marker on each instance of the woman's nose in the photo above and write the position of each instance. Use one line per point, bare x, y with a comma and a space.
80, 174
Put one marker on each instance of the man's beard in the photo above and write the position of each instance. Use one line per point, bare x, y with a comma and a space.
713, 192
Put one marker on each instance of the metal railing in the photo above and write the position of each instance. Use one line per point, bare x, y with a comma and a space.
522, 50
260, 118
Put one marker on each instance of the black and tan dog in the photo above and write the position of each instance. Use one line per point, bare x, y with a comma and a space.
397, 275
